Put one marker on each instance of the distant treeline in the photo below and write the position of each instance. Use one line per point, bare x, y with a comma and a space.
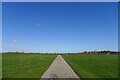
95, 52
81, 53
101, 52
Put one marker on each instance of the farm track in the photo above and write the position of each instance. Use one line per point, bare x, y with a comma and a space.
60, 69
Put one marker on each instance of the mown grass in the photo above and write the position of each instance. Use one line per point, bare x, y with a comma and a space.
0, 66
25, 65
94, 66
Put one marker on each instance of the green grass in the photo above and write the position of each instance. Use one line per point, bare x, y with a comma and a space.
25, 65
0, 66
94, 66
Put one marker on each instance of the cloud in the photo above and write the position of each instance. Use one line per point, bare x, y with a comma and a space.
9, 48
18, 45
16, 49
14, 41
37, 24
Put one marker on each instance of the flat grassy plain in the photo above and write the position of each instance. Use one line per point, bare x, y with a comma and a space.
0, 66
94, 66
25, 65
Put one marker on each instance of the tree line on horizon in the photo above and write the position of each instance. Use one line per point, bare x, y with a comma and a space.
85, 52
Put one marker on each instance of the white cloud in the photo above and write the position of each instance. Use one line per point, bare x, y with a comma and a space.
14, 41
9, 48
37, 24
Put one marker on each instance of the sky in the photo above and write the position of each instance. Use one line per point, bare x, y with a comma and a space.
0, 40
59, 26
60, 0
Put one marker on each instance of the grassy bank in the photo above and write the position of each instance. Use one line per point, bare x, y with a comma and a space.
94, 66
25, 65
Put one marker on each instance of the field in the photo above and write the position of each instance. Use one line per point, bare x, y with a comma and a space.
34, 65
0, 66
94, 66
25, 65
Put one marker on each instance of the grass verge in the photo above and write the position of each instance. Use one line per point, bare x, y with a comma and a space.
25, 65
94, 66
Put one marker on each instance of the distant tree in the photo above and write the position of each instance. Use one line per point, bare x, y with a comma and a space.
85, 51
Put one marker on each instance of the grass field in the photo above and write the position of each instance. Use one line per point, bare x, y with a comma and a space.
94, 66
0, 66
25, 65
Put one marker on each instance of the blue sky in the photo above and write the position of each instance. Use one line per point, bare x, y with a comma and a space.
60, 27
0, 40
60, 0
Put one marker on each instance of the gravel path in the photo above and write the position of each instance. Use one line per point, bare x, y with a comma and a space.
60, 69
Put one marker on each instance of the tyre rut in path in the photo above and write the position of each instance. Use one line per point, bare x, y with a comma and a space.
60, 69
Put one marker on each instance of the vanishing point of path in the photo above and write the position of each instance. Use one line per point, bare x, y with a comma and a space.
60, 69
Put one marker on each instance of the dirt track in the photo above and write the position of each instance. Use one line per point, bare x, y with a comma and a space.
59, 69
